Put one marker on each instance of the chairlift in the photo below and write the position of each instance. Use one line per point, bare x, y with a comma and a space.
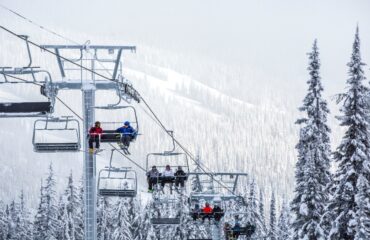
28, 109
216, 185
158, 218
56, 135
117, 182
109, 128
175, 159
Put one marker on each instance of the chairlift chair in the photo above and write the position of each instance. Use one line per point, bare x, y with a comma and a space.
109, 133
159, 219
117, 182
56, 135
28, 109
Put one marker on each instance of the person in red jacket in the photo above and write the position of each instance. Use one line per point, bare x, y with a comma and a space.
207, 211
94, 136
207, 208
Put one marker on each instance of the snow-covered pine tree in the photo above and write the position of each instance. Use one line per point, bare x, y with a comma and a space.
261, 207
283, 223
104, 220
272, 230
313, 165
38, 225
121, 222
363, 212
51, 207
254, 211
46, 220
137, 226
71, 212
353, 154
23, 225
3, 222
12, 216
81, 209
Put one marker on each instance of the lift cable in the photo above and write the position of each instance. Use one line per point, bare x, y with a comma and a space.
187, 152
77, 115
155, 119
36, 24
61, 101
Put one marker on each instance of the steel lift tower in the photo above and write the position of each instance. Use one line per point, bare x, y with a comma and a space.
88, 81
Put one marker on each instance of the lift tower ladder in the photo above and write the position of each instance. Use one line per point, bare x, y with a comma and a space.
88, 85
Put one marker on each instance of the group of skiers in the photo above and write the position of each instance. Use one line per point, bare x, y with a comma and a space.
167, 176
127, 132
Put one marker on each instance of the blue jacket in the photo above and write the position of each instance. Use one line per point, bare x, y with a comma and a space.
127, 131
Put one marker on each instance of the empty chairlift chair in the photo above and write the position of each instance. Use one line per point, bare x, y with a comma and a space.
117, 182
28, 109
56, 135
159, 216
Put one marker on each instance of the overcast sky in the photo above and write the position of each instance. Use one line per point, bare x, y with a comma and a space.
270, 35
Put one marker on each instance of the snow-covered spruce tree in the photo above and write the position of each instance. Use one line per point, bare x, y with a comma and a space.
353, 154
283, 223
38, 225
81, 209
137, 226
261, 207
46, 220
104, 219
3, 221
121, 222
253, 209
23, 225
313, 165
11, 213
272, 229
70, 213
363, 212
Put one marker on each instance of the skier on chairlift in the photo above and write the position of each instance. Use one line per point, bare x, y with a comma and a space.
152, 176
94, 137
128, 135
207, 211
167, 177
180, 177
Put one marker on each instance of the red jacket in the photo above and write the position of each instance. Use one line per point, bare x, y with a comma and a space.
95, 131
207, 210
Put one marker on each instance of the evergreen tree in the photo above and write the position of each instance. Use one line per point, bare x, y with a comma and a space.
46, 220
261, 207
23, 225
104, 220
272, 230
38, 225
81, 210
352, 154
363, 212
12, 216
121, 223
254, 211
3, 222
313, 166
283, 223
71, 213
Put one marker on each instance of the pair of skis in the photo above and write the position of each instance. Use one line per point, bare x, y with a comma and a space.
124, 149
96, 151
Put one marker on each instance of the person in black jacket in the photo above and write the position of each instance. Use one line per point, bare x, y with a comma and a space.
217, 213
180, 177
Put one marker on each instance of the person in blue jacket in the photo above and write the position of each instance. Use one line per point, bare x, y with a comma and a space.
128, 134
